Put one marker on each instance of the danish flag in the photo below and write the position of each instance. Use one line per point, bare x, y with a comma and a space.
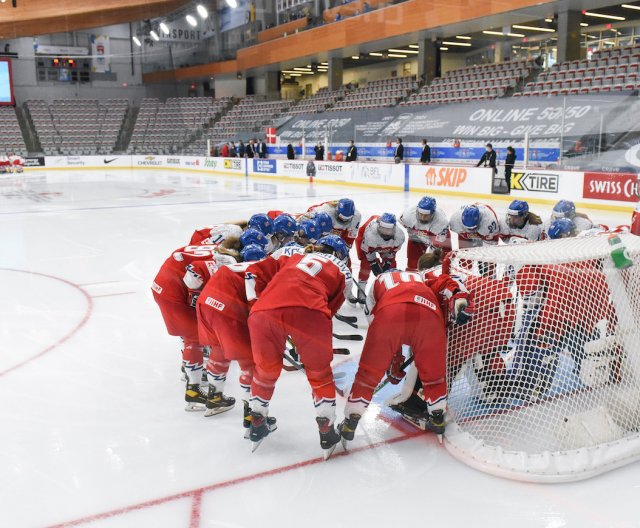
271, 135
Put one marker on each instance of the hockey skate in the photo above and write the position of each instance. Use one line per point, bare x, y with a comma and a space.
328, 437
246, 421
196, 400
347, 428
258, 430
218, 403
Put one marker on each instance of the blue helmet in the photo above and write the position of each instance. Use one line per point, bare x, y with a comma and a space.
336, 243
252, 252
559, 227
470, 216
518, 208
262, 223
285, 225
387, 220
427, 205
253, 236
324, 222
310, 230
564, 209
345, 208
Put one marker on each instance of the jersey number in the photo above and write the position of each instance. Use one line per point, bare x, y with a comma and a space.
405, 276
311, 264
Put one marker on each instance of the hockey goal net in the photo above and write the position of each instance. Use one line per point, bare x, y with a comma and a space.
544, 383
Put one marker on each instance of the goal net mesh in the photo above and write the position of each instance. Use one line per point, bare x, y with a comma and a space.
544, 382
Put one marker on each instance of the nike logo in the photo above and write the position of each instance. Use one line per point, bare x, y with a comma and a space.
106, 161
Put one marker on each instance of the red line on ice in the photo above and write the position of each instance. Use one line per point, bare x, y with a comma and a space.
63, 339
197, 493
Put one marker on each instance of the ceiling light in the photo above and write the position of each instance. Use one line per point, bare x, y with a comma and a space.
302, 69
164, 28
414, 46
232, 3
534, 28
137, 41
516, 35
584, 24
486, 32
627, 6
598, 15
411, 52
202, 11
397, 56
448, 43
192, 21
154, 35
462, 37
443, 48
295, 74
324, 64
375, 54
548, 20
355, 57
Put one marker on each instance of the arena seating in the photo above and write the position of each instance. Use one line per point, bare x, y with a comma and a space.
10, 134
473, 83
318, 102
608, 70
77, 126
385, 92
164, 128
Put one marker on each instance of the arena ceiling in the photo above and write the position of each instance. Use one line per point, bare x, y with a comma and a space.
38, 17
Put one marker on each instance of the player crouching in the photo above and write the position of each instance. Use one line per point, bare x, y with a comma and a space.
406, 308
299, 302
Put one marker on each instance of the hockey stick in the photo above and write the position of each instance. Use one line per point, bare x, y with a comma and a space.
388, 378
347, 319
295, 365
349, 337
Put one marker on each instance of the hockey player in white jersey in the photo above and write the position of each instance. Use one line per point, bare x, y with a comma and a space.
567, 209
378, 241
520, 224
345, 217
476, 224
428, 227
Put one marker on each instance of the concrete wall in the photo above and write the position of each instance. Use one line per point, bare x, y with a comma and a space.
229, 86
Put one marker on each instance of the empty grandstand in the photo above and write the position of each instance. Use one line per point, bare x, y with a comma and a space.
10, 134
385, 92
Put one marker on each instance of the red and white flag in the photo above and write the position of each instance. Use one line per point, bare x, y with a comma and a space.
271, 136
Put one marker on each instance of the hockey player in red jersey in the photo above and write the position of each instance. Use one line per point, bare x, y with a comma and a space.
217, 234
379, 240
299, 302
406, 308
174, 287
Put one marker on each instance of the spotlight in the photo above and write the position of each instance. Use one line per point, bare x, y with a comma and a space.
232, 3
164, 28
202, 11
154, 35
192, 21
136, 40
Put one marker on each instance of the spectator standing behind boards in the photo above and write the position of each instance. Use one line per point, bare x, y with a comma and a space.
262, 149
319, 151
233, 152
398, 155
425, 155
224, 152
352, 153
241, 149
251, 149
291, 154
509, 162
489, 158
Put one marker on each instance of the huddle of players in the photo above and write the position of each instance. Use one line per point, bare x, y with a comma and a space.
11, 163
244, 289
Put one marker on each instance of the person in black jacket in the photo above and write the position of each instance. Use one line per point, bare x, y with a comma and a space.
291, 154
352, 152
425, 155
398, 155
319, 151
509, 162
489, 158
262, 149
241, 149
251, 149
233, 152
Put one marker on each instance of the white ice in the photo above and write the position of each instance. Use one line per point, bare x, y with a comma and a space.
92, 426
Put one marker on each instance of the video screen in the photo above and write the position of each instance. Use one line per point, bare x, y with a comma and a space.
6, 87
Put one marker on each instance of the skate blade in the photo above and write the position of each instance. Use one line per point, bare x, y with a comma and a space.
440, 438
255, 445
247, 433
194, 407
219, 410
345, 444
419, 424
328, 452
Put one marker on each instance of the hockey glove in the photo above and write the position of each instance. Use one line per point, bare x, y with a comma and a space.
193, 298
376, 268
386, 265
461, 307
395, 373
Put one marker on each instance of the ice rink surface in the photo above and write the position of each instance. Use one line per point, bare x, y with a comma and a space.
92, 426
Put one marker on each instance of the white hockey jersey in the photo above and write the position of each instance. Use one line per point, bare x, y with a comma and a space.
373, 245
582, 223
488, 229
529, 232
216, 234
348, 230
425, 233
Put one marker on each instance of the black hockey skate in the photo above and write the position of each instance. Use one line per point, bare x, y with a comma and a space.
218, 403
196, 400
347, 428
246, 421
258, 430
414, 410
328, 437
435, 424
